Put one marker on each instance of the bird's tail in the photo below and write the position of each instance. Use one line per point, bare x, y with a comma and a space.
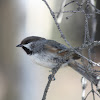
89, 75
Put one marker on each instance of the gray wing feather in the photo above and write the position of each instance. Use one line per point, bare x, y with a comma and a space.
56, 45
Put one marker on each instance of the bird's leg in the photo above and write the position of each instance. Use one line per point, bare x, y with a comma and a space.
50, 77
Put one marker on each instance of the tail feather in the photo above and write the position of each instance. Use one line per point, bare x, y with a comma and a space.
91, 76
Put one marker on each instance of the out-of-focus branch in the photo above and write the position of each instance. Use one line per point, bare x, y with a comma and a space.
84, 85
60, 14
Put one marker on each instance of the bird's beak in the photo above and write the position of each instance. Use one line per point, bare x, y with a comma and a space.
20, 45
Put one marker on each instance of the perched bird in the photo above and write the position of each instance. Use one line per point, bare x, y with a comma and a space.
45, 52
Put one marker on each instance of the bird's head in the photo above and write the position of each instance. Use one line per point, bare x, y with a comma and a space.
28, 43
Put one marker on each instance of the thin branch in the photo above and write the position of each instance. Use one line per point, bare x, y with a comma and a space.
87, 95
97, 10
60, 15
69, 3
97, 94
50, 78
88, 45
93, 93
58, 26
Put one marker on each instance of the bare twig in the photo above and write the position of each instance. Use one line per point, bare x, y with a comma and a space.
60, 14
50, 78
87, 95
97, 10
58, 26
93, 93
92, 90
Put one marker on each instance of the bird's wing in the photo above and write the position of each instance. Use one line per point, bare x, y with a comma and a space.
55, 47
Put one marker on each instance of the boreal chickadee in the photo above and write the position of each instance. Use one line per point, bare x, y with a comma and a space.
45, 52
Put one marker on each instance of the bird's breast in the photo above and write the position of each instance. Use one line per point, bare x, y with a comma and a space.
45, 59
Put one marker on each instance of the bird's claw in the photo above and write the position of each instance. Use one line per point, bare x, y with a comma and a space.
51, 78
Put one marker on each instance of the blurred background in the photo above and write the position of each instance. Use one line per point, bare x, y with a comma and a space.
20, 78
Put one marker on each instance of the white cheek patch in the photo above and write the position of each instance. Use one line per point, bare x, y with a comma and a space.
28, 45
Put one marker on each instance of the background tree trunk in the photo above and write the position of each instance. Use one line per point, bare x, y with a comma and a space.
98, 21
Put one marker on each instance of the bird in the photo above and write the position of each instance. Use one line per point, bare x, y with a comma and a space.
45, 52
